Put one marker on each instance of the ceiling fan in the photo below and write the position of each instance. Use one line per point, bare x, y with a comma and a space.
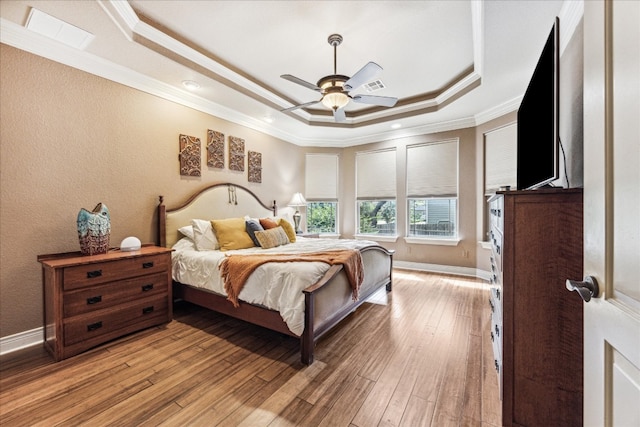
335, 88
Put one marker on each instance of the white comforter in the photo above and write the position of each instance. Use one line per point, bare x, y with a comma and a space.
272, 285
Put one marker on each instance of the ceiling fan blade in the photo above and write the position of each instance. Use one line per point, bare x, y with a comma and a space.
301, 82
295, 107
383, 101
365, 74
339, 115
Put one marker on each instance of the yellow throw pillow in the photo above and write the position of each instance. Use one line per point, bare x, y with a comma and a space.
231, 234
272, 237
288, 228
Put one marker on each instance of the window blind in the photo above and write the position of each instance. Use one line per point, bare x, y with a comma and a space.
432, 169
376, 175
500, 149
321, 177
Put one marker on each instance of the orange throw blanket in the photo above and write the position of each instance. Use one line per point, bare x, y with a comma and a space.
236, 269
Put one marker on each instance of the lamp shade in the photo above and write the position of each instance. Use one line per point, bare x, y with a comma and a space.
297, 200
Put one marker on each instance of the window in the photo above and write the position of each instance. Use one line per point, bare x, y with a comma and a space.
377, 217
321, 217
432, 217
321, 187
432, 190
376, 192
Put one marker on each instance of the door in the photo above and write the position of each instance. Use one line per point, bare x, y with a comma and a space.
612, 212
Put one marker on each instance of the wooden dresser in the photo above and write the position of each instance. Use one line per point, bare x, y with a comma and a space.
536, 326
89, 300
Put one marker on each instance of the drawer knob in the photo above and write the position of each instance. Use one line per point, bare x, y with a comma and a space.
147, 264
146, 288
94, 300
147, 310
94, 326
94, 273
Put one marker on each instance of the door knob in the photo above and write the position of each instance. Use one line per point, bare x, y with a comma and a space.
587, 288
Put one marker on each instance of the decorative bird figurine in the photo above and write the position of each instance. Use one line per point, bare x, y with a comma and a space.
94, 229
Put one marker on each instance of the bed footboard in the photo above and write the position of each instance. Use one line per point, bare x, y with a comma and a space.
330, 300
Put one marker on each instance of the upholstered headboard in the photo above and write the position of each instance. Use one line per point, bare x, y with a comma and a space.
217, 201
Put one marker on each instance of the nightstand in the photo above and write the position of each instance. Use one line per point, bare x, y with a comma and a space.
92, 299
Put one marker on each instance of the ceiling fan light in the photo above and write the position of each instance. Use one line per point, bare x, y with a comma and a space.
335, 100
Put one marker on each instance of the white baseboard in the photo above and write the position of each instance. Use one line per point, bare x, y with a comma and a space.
35, 336
445, 269
21, 340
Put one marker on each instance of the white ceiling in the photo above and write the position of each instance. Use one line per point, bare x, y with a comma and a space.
451, 63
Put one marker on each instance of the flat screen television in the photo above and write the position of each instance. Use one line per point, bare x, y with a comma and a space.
538, 120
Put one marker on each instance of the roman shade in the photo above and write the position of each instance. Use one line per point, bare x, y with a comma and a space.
500, 149
376, 175
432, 169
321, 177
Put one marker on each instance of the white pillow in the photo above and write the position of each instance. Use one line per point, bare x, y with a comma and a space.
186, 231
203, 235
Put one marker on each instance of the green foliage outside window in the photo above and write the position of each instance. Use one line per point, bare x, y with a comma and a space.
377, 217
321, 217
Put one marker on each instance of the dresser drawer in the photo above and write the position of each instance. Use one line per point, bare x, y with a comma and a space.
496, 248
109, 294
97, 323
496, 210
102, 272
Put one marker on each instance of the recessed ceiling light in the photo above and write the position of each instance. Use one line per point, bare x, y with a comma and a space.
268, 119
190, 84
396, 126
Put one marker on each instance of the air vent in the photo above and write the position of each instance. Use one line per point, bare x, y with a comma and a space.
56, 29
374, 86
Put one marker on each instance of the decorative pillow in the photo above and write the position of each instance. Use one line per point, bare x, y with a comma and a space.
231, 233
288, 228
272, 237
268, 223
187, 231
203, 235
252, 226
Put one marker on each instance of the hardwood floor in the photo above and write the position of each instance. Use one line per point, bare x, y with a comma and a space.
418, 356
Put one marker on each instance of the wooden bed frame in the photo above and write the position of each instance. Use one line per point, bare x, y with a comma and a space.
327, 302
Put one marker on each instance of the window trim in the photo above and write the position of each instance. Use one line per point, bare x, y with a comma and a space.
454, 241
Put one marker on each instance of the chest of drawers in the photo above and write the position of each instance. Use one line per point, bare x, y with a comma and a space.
89, 300
536, 328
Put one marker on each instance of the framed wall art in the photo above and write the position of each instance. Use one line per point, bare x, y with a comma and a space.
215, 149
189, 155
255, 166
236, 154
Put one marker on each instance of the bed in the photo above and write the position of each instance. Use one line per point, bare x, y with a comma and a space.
317, 295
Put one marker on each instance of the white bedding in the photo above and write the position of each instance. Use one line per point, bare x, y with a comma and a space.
272, 285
